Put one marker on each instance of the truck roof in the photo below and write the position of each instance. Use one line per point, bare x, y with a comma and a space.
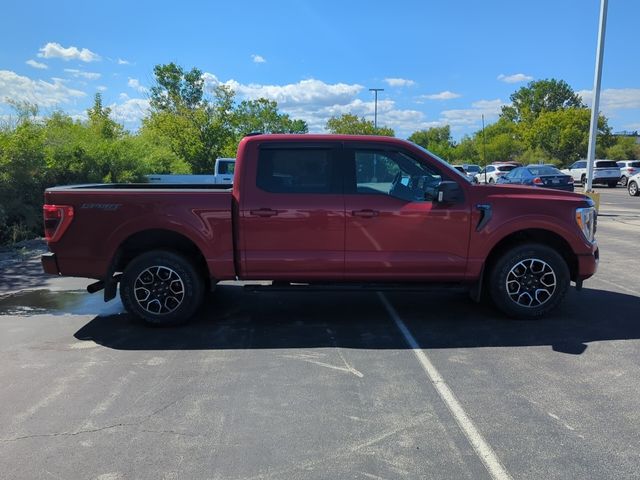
321, 137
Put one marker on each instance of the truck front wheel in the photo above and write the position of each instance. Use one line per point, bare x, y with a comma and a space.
528, 281
162, 288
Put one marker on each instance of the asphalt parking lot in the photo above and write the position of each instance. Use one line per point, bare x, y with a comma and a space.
326, 385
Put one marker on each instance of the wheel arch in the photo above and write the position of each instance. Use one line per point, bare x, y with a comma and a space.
158, 239
533, 235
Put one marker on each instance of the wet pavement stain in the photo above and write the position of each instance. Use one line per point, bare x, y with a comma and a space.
47, 302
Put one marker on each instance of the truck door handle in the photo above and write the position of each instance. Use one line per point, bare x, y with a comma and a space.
263, 212
366, 213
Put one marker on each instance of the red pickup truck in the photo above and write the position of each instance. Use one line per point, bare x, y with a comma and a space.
323, 210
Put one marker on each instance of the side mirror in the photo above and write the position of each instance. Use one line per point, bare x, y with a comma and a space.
448, 192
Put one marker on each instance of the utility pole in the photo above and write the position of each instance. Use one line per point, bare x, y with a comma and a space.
593, 131
484, 151
375, 115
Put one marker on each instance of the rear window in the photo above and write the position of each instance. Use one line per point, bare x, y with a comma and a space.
634, 164
289, 170
460, 169
226, 168
606, 164
544, 170
506, 168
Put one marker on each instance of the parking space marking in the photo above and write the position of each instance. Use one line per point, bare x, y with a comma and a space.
482, 448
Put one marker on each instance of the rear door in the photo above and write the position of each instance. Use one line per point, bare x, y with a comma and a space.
292, 213
394, 230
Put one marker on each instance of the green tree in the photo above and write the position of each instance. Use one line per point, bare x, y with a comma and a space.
176, 89
261, 115
540, 96
349, 124
198, 128
437, 140
564, 134
100, 120
624, 148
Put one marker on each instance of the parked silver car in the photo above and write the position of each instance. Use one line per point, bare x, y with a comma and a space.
628, 168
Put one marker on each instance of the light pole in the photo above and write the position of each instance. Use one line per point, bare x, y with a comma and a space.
375, 102
593, 131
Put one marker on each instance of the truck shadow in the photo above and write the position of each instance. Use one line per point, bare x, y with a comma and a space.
235, 319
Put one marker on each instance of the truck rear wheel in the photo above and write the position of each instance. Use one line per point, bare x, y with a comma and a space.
528, 281
162, 288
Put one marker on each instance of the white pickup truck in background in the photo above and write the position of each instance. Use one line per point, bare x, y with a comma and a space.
222, 174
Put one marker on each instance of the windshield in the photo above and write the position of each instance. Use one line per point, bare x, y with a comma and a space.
473, 168
443, 163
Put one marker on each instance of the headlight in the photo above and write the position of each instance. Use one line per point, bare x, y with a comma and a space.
586, 220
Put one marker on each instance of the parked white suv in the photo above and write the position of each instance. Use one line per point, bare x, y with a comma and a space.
605, 172
634, 185
628, 168
491, 173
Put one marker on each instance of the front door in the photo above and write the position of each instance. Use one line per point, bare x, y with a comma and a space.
394, 229
292, 217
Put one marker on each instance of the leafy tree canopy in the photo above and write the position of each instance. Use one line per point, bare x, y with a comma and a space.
540, 96
349, 124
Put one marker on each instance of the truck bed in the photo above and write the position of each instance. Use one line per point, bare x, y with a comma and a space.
106, 216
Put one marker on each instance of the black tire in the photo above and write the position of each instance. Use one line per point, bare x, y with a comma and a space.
583, 179
613, 184
174, 287
623, 181
540, 266
491, 180
634, 191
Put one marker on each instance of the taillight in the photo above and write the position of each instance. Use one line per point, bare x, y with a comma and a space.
57, 219
538, 181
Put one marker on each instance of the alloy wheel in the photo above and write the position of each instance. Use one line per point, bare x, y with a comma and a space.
159, 290
531, 283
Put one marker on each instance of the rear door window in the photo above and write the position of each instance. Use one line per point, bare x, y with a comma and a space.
298, 170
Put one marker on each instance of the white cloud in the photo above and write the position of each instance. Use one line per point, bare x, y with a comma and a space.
44, 94
399, 82
101, 88
55, 50
469, 117
80, 74
258, 58
614, 98
315, 101
122, 61
132, 110
446, 95
515, 78
305, 92
135, 84
38, 65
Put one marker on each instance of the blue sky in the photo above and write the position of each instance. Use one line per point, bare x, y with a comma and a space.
440, 63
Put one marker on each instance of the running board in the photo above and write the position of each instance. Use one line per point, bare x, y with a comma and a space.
278, 286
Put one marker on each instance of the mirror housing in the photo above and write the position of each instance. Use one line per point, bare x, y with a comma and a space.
448, 192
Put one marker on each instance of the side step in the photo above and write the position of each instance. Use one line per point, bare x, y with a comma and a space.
279, 286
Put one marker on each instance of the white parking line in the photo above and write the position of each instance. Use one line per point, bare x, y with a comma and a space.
482, 448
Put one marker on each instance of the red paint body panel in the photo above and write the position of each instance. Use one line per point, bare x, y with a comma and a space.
315, 236
405, 240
